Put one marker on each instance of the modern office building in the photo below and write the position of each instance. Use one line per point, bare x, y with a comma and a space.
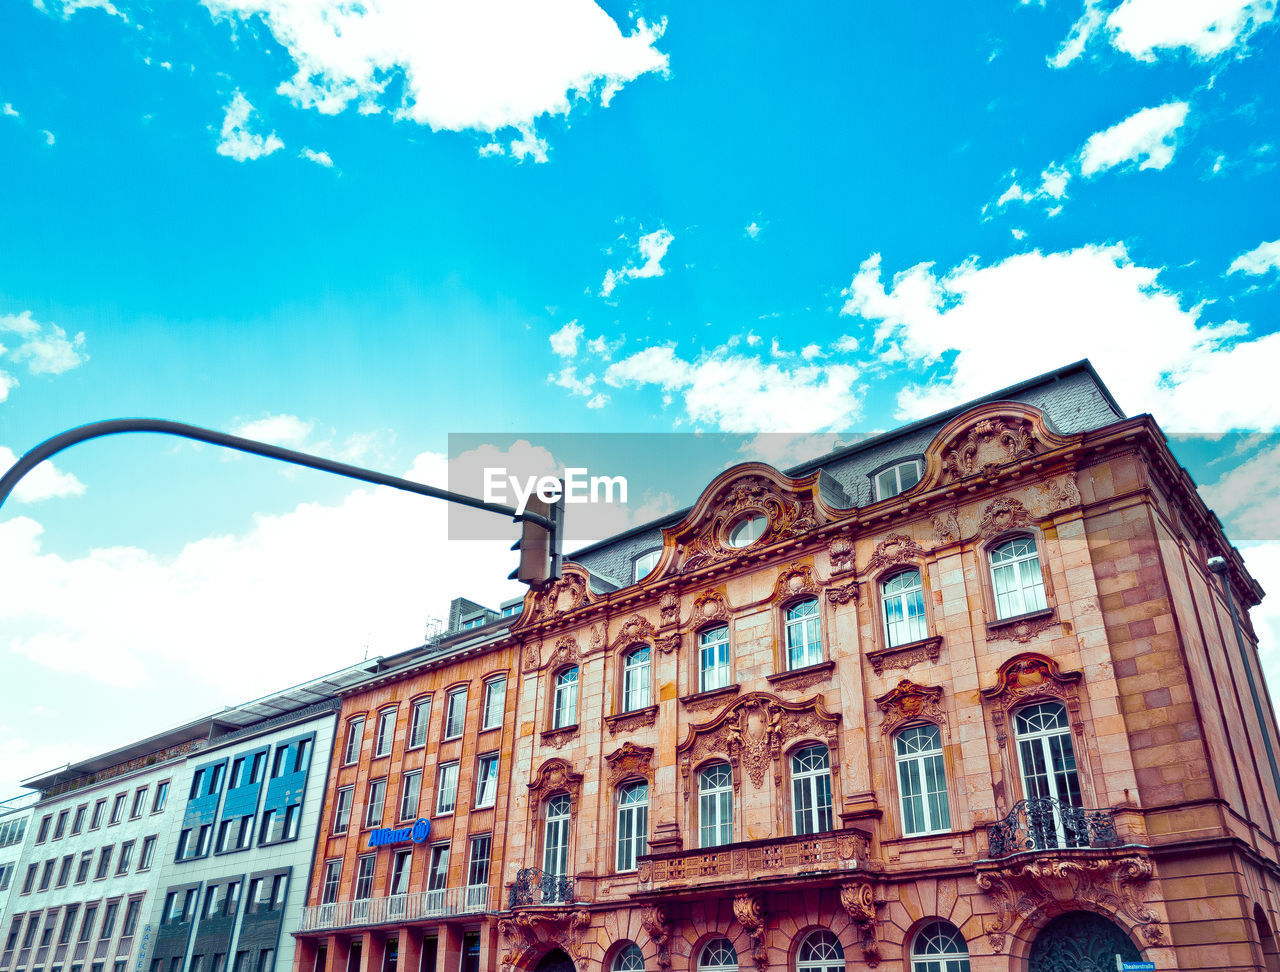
409, 858
15, 814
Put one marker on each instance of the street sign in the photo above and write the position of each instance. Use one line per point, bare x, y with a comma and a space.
1123, 966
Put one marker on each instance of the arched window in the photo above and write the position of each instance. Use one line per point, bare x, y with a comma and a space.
718, 955
804, 634
939, 948
555, 845
820, 952
635, 679
922, 781
1016, 577
748, 530
1048, 763
629, 959
715, 806
902, 597
565, 704
645, 563
897, 479
811, 790
713, 658
633, 824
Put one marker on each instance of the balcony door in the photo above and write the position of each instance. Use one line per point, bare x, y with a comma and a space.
1050, 783
555, 848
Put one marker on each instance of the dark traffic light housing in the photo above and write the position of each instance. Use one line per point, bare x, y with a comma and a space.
541, 548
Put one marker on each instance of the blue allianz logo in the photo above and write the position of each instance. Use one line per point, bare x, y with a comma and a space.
418, 833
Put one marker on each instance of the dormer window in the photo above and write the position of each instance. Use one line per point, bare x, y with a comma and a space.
645, 563
748, 530
897, 479
473, 622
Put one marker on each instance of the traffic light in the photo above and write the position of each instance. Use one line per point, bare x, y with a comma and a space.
540, 549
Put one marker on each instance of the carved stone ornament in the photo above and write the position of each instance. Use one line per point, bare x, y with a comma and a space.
897, 548
531, 659
635, 629
750, 495
859, 901
1062, 494
988, 444
553, 776
567, 594
1107, 883
667, 643
751, 733
525, 931
946, 528
629, 760
749, 910
1028, 676
1003, 514
909, 701
843, 593
556, 738
794, 580
709, 605
1021, 630
669, 608
629, 721
841, 553
658, 927
702, 701
565, 653
904, 656
803, 678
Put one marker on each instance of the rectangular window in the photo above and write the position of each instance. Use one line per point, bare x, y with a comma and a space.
14, 930
77, 824
43, 833
99, 810
68, 924
332, 880
46, 876
131, 918
255, 900
256, 768
126, 857
33, 928
385, 734
225, 836
117, 808
266, 960
447, 788
438, 872
215, 782
6, 875
241, 963
486, 781
213, 901
713, 658
410, 787
162, 796
804, 635
279, 888
355, 732
29, 881
86, 862
50, 920
342, 809
60, 827
233, 899
237, 774
172, 906
478, 872
302, 758
364, 877
373, 807
86, 926
197, 784
139, 802
270, 824
495, 698
196, 963
216, 962
64, 872
400, 872
455, 714
279, 762
148, 852
419, 722
109, 920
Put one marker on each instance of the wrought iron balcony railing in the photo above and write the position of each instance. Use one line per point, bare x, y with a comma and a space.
535, 886
418, 906
1048, 824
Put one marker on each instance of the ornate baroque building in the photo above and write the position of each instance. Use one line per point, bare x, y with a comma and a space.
962, 696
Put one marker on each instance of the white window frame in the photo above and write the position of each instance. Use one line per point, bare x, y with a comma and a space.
386, 734
478, 871
644, 564
902, 608
715, 805
420, 721
803, 634
410, 794
636, 678
1019, 575
376, 800
747, 531
934, 949
820, 951
896, 472
914, 763
487, 780
355, 737
564, 708
631, 835
455, 713
447, 788
401, 865
555, 844
715, 956
713, 658
495, 701
811, 790
342, 802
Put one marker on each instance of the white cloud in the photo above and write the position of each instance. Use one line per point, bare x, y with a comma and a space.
45, 349
66, 8
846, 343
753, 229
811, 351
1249, 496
1033, 312
484, 66
282, 430
1263, 258
44, 482
584, 387
742, 393
319, 158
237, 141
1015, 193
651, 247
8, 110
1144, 28
564, 342
1149, 135
1053, 185
1018, 234
48, 136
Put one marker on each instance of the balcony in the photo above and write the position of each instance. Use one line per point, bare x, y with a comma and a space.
1047, 824
535, 886
834, 851
398, 908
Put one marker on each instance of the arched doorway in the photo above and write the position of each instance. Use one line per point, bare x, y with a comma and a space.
556, 961
1270, 954
1080, 941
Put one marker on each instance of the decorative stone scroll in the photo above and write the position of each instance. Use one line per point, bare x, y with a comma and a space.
843, 593
531, 657
667, 643
1062, 494
658, 927
565, 653
749, 910
1002, 514
1027, 677
904, 656
525, 930
554, 775
710, 605
629, 760
1021, 630
840, 551
628, 721
558, 737
859, 901
946, 528
908, 701
897, 548
669, 608
634, 630
569, 593
988, 443
751, 732
794, 580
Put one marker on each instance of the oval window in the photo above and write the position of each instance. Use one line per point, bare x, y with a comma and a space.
748, 530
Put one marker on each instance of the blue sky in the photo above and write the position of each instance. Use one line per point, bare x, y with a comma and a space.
515, 218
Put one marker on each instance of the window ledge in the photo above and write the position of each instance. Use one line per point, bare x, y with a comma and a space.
636, 719
710, 698
904, 656
558, 737
1022, 627
802, 678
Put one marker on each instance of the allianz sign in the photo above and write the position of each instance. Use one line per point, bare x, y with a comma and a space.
418, 833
